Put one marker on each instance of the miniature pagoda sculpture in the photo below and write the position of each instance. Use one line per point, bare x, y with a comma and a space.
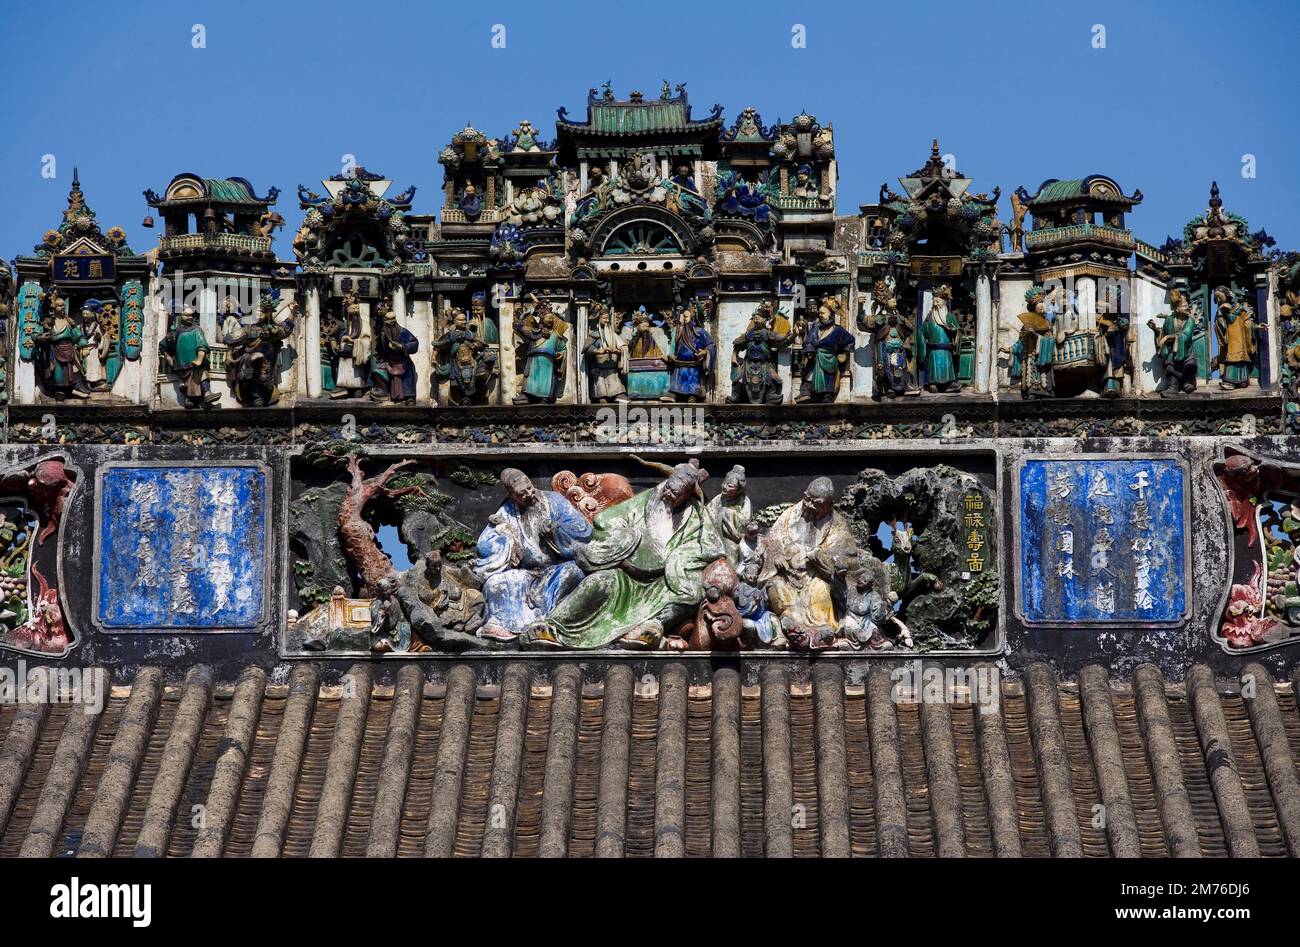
471, 168
1078, 250
358, 255
1217, 278
79, 313
929, 264
217, 239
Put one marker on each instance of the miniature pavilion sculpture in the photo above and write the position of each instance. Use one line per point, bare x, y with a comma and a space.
1217, 276
79, 313
925, 282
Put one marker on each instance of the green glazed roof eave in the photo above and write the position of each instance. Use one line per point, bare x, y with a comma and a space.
637, 119
1073, 190
226, 191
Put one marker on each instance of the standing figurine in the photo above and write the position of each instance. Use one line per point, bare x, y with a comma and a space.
542, 336
605, 358
892, 336
690, 355
1033, 353
353, 345
464, 360
754, 375
188, 348
827, 348
253, 362
94, 345
1175, 345
62, 340
394, 372
937, 343
1234, 326
1112, 338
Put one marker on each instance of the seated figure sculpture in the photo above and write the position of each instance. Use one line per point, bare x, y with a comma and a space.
868, 613
730, 511
804, 602
760, 628
644, 564
809, 550
458, 607
526, 556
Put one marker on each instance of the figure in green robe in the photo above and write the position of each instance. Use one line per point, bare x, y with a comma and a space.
60, 344
937, 343
188, 347
644, 562
1034, 351
543, 374
827, 353
731, 511
1175, 345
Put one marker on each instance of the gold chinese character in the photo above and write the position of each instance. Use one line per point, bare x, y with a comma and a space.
96, 268
70, 269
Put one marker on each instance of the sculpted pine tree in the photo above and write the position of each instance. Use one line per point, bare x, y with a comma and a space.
357, 536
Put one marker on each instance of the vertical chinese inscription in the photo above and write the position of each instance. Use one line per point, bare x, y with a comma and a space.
975, 520
1102, 541
182, 547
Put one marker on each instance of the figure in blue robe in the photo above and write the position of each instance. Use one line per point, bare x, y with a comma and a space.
691, 351
525, 556
392, 371
827, 349
762, 628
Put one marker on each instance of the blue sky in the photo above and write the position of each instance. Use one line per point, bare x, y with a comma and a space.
1015, 91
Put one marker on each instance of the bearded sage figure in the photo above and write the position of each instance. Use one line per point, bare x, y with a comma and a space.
645, 562
526, 556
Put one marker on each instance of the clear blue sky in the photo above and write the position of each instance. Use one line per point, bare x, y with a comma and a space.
1015, 91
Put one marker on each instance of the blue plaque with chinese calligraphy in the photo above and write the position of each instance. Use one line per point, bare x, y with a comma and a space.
181, 547
84, 267
1102, 541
